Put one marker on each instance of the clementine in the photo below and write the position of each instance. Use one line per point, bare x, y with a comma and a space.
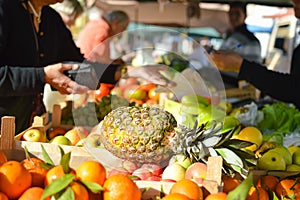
3, 196
288, 187
268, 182
217, 196
187, 187
3, 157
54, 173
81, 193
257, 193
175, 196
120, 186
33, 165
92, 171
229, 183
15, 179
33, 193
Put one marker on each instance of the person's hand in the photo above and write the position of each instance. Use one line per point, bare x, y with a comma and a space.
151, 73
54, 75
226, 60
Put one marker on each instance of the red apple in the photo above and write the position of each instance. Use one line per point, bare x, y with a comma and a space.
34, 135
154, 178
118, 170
54, 131
142, 173
129, 166
154, 168
196, 171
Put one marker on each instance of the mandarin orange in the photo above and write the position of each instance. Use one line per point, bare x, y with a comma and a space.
120, 186
15, 179
217, 196
38, 173
257, 193
80, 192
229, 183
288, 187
175, 196
33, 193
92, 171
268, 182
3, 196
54, 173
187, 187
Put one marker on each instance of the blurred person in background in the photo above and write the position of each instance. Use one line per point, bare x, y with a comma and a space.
69, 10
238, 38
95, 37
34, 44
281, 86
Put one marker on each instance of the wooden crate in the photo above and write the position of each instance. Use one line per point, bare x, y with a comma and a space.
14, 149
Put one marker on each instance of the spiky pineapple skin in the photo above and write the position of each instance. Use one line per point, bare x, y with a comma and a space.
139, 134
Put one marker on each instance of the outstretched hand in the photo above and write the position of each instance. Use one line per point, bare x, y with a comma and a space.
152, 74
54, 75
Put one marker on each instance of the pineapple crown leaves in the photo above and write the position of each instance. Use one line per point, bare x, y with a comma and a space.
210, 139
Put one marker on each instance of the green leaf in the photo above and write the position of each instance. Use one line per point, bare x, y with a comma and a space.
230, 157
62, 152
241, 191
237, 144
68, 194
58, 185
274, 196
92, 186
64, 161
46, 156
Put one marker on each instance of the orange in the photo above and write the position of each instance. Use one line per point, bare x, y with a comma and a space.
258, 193
152, 94
33, 165
175, 196
229, 183
268, 182
54, 173
92, 171
120, 186
188, 188
80, 191
286, 187
15, 179
3, 196
33, 193
217, 196
3, 157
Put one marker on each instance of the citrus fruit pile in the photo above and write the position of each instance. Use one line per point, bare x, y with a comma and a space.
35, 179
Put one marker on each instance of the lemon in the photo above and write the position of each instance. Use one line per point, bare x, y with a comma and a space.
250, 134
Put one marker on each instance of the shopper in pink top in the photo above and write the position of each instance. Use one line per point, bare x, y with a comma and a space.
94, 38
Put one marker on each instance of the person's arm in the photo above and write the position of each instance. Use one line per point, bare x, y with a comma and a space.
278, 85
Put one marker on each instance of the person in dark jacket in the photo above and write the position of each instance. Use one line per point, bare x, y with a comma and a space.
280, 86
34, 43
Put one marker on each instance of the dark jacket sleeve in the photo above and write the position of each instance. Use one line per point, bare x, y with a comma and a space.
284, 87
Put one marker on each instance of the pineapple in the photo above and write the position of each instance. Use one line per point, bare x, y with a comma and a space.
151, 134
139, 134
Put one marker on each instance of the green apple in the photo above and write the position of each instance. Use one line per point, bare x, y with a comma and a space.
293, 168
181, 159
271, 160
173, 172
282, 150
34, 135
229, 123
61, 140
292, 149
296, 157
